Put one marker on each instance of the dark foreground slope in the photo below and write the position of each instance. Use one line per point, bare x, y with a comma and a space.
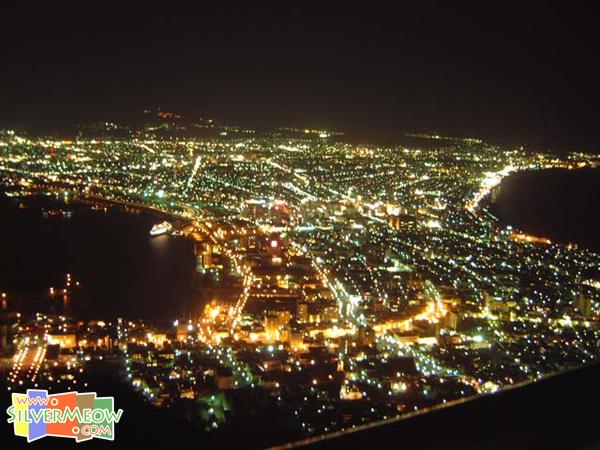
558, 412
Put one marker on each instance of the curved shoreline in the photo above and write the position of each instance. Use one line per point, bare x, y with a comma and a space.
492, 206
83, 198
117, 236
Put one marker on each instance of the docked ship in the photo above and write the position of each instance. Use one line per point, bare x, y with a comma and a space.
161, 228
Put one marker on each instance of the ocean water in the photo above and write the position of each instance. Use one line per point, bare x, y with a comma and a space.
123, 271
563, 205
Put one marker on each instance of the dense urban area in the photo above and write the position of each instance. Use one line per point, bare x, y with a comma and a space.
352, 282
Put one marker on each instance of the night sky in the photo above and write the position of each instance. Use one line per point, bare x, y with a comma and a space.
520, 74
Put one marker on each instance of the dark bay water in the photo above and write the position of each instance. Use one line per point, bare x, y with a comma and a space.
123, 271
562, 205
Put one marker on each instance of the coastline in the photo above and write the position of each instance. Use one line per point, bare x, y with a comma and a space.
559, 193
112, 243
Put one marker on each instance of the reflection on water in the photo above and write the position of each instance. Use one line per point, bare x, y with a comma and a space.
123, 270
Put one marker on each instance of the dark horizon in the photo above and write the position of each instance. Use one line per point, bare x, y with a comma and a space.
515, 73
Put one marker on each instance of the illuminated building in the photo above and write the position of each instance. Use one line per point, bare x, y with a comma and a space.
66, 341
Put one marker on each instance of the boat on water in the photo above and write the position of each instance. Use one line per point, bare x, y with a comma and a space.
161, 228
66, 213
